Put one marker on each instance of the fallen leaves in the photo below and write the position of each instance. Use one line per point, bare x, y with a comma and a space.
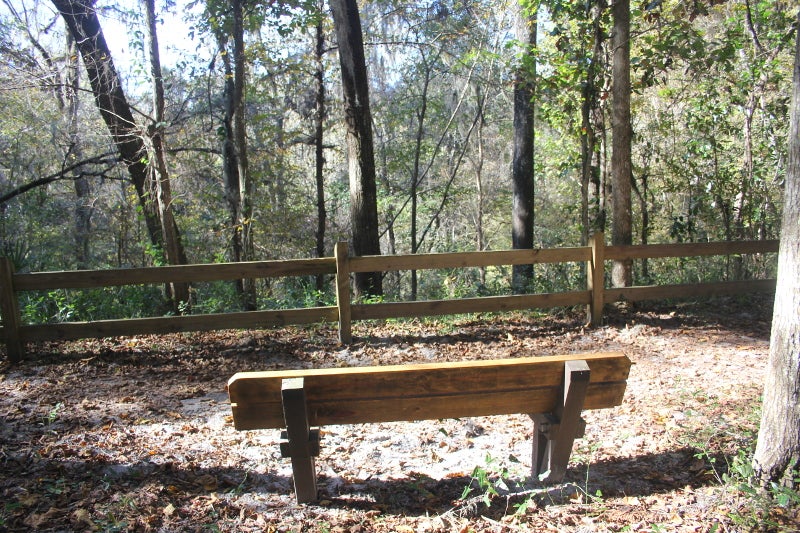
126, 451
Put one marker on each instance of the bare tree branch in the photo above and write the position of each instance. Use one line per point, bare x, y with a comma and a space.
109, 159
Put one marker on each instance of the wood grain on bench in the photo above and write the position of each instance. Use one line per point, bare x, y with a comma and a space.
553, 390
425, 391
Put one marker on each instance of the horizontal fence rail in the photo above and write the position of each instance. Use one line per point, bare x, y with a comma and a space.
15, 334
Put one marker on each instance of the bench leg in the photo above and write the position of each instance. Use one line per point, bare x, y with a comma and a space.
554, 434
303, 442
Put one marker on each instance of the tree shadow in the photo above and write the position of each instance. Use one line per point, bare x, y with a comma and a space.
637, 476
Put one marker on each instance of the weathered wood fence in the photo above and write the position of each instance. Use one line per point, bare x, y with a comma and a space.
15, 334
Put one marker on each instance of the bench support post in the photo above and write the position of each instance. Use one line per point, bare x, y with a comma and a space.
302, 442
554, 433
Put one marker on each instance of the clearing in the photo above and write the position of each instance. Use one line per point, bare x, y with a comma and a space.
135, 434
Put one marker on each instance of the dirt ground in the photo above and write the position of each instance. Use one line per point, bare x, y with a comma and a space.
135, 434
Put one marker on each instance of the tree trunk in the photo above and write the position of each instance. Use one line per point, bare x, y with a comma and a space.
416, 176
230, 169
83, 190
592, 210
777, 455
240, 143
234, 149
641, 194
522, 217
621, 229
173, 248
319, 147
360, 150
480, 238
82, 22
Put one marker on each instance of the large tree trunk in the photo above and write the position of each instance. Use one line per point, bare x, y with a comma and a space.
82, 22
522, 210
621, 228
777, 456
360, 150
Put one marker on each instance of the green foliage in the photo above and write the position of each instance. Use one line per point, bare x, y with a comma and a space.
762, 506
698, 72
17, 251
62, 305
492, 480
53, 414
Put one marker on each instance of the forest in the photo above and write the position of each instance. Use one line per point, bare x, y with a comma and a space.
228, 133
152, 133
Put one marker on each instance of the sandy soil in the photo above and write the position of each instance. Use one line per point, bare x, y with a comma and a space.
135, 434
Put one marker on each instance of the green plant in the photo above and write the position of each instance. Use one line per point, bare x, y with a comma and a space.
17, 251
493, 479
761, 504
53, 414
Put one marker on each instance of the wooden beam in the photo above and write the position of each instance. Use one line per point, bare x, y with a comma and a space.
10, 309
488, 304
373, 263
343, 292
595, 279
551, 463
688, 290
691, 249
87, 279
176, 324
299, 435
425, 391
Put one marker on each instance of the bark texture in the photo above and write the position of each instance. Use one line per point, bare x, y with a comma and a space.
82, 22
319, 147
621, 227
157, 158
360, 148
777, 456
522, 217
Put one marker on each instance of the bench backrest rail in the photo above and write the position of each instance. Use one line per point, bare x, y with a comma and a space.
425, 391
553, 390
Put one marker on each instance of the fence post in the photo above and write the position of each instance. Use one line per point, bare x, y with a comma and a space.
595, 278
10, 309
343, 291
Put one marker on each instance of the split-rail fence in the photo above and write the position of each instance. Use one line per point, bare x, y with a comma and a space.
15, 334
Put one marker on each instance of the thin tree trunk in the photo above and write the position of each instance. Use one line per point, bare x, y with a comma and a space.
416, 177
641, 194
240, 142
83, 190
230, 169
319, 147
591, 192
777, 455
621, 229
173, 249
360, 149
480, 239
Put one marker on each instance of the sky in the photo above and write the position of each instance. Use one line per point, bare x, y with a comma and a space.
174, 42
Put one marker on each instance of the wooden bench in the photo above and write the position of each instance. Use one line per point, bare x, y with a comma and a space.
553, 390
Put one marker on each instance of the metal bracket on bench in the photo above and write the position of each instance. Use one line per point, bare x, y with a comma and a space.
302, 443
554, 433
